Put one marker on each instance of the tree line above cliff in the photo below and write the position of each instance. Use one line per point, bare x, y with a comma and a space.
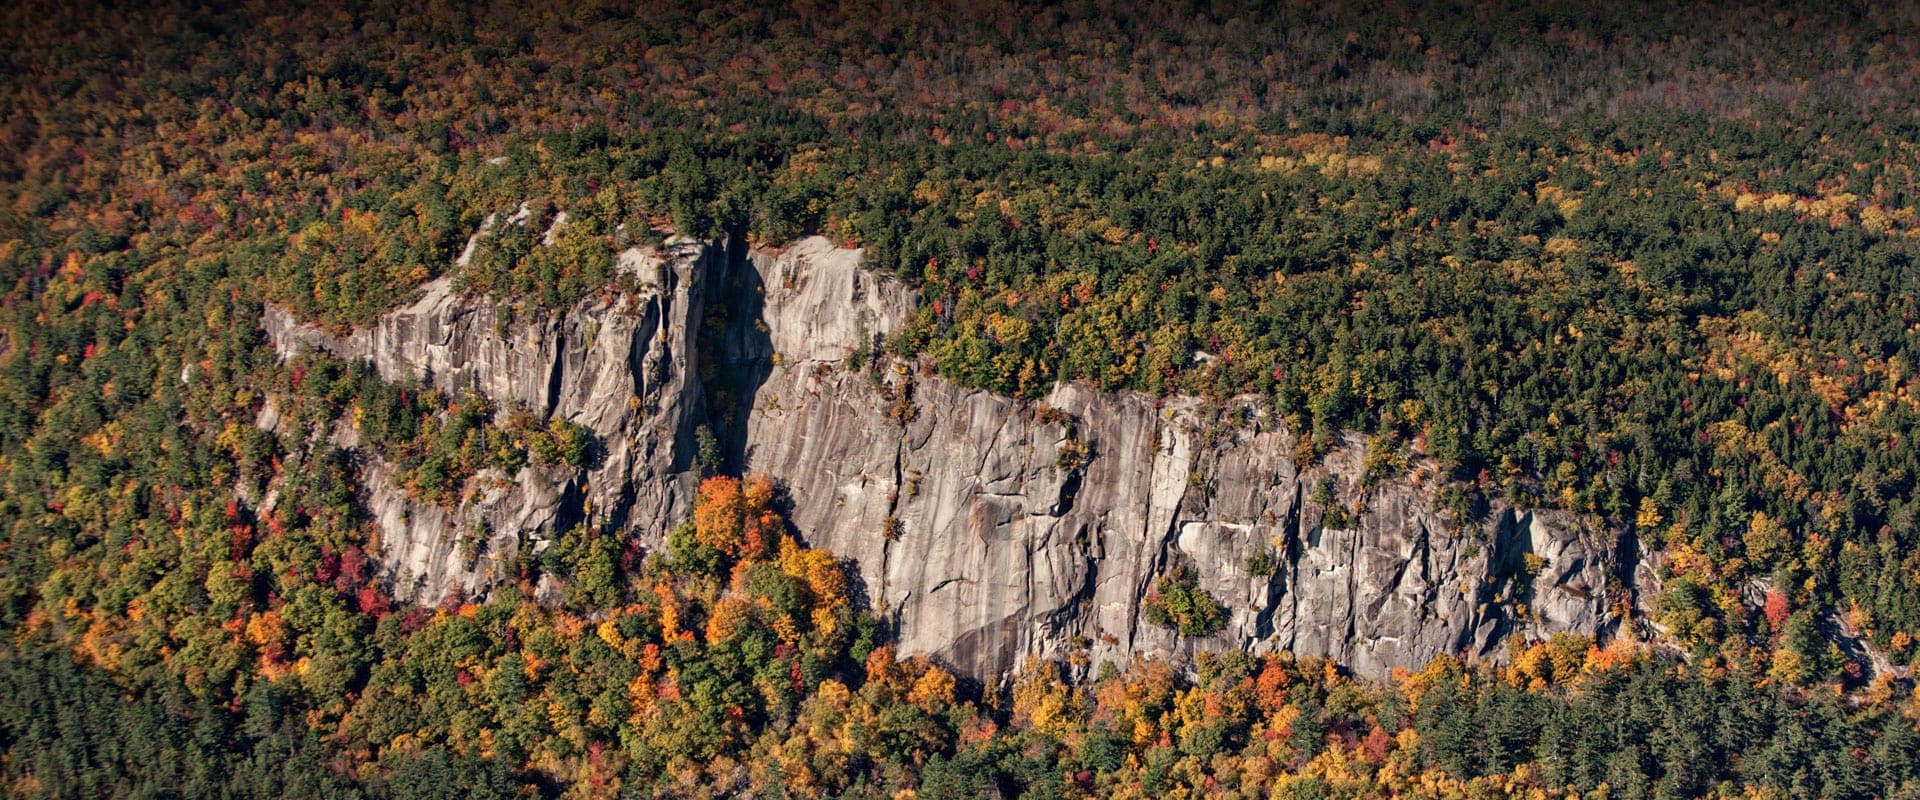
1655, 264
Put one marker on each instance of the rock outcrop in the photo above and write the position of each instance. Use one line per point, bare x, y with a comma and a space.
985, 529
621, 364
984, 544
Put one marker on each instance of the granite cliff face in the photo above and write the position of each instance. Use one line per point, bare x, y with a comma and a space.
986, 530
620, 364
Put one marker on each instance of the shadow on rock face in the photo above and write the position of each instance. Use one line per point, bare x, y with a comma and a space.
734, 333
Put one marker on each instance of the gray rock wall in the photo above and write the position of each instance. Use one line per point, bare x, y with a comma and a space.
621, 364
970, 532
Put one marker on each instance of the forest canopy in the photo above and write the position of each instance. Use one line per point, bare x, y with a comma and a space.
1654, 264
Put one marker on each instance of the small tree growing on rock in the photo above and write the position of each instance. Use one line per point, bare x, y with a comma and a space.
1177, 601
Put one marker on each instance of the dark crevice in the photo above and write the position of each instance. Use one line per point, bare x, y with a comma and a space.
558, 367
1069, 489
572, 508
736, 348
1295, 550
1061, 618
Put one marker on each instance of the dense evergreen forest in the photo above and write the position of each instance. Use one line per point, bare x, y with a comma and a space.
1654, 264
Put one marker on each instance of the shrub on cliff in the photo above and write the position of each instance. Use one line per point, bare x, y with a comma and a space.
1178, 602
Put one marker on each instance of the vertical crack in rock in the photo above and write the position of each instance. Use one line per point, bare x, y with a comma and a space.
557, 369
894, 527
1296, 552
1428, 592
1352, 569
